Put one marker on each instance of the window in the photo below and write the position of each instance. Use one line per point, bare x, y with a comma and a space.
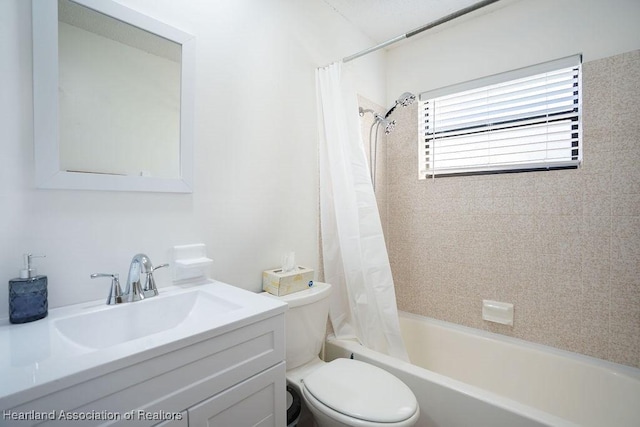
527, 119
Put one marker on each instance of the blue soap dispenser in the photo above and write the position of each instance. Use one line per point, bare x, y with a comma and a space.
28, 294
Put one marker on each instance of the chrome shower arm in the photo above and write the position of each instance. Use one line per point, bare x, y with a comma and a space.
362, 111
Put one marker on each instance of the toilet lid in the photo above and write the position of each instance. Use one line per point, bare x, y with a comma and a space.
361, 391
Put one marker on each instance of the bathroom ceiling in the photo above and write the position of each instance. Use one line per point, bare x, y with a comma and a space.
382, 20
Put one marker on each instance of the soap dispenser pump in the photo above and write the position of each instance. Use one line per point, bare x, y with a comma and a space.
28, 294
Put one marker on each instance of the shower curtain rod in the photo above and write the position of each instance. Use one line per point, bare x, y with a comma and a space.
418, 30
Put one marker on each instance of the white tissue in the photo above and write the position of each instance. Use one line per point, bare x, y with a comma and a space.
289, 262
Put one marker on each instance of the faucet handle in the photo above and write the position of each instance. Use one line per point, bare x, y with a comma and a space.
150, 288
159, 267
115, 292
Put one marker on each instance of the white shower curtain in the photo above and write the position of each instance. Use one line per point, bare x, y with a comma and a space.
363, 301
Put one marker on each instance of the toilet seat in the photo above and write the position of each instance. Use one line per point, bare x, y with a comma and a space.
360, 391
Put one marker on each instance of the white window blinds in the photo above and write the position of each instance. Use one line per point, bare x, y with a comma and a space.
527, 119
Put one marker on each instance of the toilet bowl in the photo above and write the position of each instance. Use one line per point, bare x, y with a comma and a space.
342, 392
353, 393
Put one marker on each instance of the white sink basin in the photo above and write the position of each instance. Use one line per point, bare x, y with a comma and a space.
130, 321
84, 341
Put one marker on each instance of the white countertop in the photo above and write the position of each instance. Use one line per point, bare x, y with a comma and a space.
37, 359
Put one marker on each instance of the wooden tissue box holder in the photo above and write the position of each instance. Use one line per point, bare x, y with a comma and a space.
280, 283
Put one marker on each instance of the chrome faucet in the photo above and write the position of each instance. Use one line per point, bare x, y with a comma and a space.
135, 291
115, 292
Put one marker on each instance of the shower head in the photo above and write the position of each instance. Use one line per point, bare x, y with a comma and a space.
386, 123
404, 100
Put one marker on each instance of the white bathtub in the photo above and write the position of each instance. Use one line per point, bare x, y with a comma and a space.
467, 377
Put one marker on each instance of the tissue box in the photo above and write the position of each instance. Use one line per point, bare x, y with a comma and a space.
280, 283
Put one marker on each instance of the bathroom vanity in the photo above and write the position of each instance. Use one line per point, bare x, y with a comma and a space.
201, 355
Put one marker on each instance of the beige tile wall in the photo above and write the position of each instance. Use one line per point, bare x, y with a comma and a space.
563, 246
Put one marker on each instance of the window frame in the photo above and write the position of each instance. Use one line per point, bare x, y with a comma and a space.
428, 135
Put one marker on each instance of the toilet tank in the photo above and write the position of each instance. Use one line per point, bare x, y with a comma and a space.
306, 323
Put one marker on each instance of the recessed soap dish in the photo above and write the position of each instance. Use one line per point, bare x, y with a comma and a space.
498, 312
190, 262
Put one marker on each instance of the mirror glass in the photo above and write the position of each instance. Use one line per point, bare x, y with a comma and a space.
122, 101
118, 96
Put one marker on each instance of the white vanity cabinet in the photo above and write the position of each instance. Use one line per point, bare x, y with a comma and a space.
253, 402
232, 375
182, 421
256, 401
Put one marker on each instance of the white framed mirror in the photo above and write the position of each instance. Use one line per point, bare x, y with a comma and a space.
113, 99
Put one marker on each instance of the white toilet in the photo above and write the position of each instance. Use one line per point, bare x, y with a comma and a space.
342, 392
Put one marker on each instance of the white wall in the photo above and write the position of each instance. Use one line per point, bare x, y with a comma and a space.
256, 152
512, 34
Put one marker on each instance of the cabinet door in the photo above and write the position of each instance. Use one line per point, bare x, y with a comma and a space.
258, 401
182, 422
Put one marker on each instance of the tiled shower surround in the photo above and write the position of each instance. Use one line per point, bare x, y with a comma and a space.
562, 246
